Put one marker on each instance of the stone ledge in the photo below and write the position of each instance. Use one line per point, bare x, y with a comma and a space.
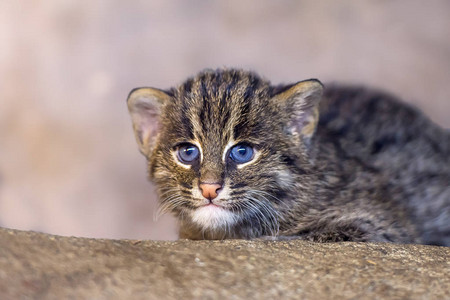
36, 265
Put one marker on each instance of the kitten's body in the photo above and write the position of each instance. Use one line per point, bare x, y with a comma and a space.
368, 169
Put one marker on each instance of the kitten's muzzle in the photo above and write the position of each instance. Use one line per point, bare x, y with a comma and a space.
210, 190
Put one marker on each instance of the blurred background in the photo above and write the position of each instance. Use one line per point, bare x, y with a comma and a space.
69, 163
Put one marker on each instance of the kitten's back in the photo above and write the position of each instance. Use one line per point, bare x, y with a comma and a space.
400, 144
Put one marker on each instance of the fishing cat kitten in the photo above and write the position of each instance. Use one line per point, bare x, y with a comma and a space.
235, 157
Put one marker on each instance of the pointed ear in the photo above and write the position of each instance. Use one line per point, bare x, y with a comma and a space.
300, 101
144, 105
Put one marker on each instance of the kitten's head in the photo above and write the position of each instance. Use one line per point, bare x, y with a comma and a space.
225, 148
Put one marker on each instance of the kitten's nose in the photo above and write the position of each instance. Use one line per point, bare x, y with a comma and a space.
210, 190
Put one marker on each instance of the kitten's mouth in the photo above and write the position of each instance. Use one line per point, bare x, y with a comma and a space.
212, 204
201, 203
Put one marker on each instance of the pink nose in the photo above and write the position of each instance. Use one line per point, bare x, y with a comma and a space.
210, 190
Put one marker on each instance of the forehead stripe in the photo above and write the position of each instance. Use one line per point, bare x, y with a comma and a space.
241, 123
186, 123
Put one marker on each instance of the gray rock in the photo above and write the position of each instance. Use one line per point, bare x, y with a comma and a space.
41, 266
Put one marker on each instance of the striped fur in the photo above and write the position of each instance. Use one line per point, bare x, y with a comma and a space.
340, 176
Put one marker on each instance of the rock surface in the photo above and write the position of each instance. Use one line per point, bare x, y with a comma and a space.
41, 266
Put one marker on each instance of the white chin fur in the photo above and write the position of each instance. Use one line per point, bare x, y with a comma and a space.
213, 217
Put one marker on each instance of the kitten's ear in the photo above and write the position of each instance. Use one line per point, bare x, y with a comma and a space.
144, 105
300, 101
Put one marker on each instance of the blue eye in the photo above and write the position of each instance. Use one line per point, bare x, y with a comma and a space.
187, 153
241, 153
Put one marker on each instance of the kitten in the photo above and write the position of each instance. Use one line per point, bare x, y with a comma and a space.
235, 157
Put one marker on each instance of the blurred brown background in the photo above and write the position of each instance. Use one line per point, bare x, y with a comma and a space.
68, 160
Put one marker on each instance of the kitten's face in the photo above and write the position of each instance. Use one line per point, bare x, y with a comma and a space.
221, 152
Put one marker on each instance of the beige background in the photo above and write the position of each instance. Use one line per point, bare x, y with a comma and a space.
68, 160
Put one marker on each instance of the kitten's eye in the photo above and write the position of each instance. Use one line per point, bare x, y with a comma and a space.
241, 153
187, 153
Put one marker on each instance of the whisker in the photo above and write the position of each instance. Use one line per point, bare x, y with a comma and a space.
169, 204
262, 207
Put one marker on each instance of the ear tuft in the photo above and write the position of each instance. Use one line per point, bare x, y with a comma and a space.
144, 105
300, 101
